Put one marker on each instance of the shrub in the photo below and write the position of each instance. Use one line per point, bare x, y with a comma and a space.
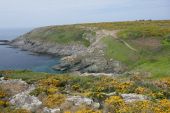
142, 90
76, 87
3, 93
87, 110
163, 106
12, 110
54, 100
166, 40
96, 95
50, 81
52, 90
141, 107
124, 87
4, 103
115, 104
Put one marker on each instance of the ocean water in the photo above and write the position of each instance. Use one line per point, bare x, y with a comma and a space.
16, 59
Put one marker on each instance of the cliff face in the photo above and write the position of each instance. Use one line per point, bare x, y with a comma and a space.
104, 47
81, 48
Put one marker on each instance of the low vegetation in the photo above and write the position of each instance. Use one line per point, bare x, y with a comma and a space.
60, 34
150, 39
53, 89
140, 45
150, 58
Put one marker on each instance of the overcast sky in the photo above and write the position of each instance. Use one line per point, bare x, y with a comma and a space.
35, 13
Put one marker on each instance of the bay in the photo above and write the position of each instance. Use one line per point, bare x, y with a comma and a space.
16, 59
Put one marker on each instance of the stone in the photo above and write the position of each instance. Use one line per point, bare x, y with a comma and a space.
78, 100
133, 97
96, 105
2, 78
14, 86
49, 110
26, 101
99, 74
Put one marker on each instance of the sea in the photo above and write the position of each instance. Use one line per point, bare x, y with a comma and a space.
17, 59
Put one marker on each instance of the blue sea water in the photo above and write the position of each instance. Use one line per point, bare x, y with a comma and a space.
16, 59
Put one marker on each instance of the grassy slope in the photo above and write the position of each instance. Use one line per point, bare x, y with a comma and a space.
60, 34
155, 60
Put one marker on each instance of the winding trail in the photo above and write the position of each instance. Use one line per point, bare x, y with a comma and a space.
129, 46
104, 33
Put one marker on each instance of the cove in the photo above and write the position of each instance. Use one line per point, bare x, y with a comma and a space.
16, 59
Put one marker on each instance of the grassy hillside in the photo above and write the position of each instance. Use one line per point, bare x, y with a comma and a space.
59, 34
149, 39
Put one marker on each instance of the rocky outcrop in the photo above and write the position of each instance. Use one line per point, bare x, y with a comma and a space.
46, 47
75, 56
78, 100
4, 42
48, 110
133, 97
26, 101
13, 87
19, 91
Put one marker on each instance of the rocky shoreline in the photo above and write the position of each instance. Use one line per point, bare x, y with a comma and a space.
74, 56
4, 42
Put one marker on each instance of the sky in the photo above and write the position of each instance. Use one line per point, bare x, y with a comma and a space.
36, 13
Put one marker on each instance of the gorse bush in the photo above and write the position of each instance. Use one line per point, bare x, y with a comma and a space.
53, 101
54, 89
4, 102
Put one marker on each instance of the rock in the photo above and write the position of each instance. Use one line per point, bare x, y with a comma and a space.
48, 110
26, 101
4, 42
78, 100
77, 57
96, 105
133, 97
110, 94
24, 42
99, 74
14, 86
2, 78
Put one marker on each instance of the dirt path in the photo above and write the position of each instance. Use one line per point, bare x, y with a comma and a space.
129, 46
104, 33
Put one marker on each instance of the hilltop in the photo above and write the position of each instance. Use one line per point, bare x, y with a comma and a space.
111, 47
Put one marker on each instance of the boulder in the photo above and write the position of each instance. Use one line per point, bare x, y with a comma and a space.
133, 97
13, 86
49, 110
26, 101
78, 100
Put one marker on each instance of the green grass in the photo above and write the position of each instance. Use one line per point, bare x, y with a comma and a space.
136, 29
157, 62
159, 68
129, 24
60, 34
144, 31
27, 76
118, 51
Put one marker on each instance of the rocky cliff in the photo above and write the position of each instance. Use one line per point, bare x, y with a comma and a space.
104, 47
80, 47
